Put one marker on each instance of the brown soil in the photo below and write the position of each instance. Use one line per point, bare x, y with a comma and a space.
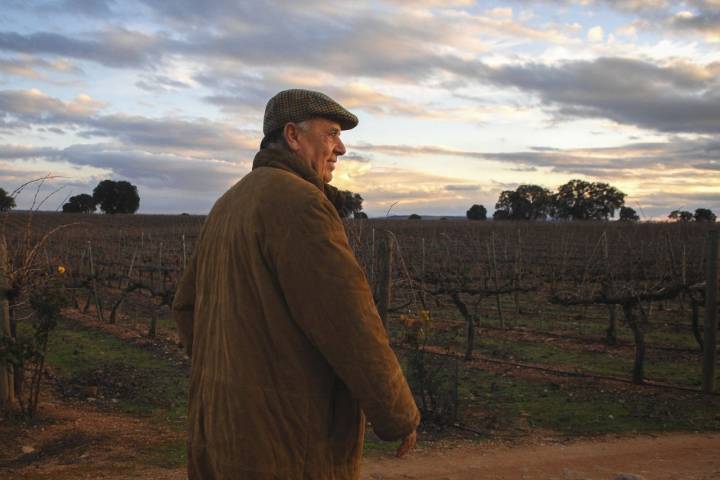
78, 441
72, 440
676, 457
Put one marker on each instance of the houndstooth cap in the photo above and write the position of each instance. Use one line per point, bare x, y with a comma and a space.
296, 105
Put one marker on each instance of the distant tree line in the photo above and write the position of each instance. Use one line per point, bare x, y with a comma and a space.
575, 200
111, 196
700, 215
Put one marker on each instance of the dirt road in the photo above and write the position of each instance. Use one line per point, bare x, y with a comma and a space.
676, 457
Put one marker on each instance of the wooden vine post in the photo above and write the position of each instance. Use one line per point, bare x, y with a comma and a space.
383, 288
611, 332
7, 388
711, 321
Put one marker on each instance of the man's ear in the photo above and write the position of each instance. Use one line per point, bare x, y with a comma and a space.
291, 133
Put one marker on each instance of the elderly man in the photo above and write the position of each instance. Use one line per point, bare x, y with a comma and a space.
287, 347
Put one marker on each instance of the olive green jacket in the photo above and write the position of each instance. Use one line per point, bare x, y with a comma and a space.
287, 347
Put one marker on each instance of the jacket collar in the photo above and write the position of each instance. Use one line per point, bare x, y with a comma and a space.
277, 158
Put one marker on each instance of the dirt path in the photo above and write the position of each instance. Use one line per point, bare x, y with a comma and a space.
675, 456
80, 443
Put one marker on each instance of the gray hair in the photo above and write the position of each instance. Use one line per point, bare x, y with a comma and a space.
277, 140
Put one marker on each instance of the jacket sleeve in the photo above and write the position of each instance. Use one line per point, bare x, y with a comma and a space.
329, 297
184, 305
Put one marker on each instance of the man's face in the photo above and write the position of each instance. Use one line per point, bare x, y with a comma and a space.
319, 145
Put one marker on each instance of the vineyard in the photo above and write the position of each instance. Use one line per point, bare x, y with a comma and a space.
503, 328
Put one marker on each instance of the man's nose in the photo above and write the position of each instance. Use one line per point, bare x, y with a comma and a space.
339, 148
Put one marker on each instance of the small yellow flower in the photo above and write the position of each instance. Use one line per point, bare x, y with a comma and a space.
425, 315
61, 269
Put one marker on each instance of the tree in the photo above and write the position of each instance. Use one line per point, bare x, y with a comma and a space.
581, 200
345, 202
681, 216
501, 215
477, 212
414, 216
628, 214
527, 202
116, 197
360, 216
82, 203
704, 215
351, 204
6, 201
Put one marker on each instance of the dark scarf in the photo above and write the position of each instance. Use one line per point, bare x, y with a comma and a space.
284, 160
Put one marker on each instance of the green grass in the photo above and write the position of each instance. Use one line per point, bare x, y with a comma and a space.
148, 385
658, 365
375, 446
172, 454
141, 382
508, 404
166, 323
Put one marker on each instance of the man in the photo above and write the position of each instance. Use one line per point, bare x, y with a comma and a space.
287, 347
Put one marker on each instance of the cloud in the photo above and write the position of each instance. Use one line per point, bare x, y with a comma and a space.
417, 42
158, 170
407, 150
90, 8
596, 34
167, 182
198, 137
647, 6
628, 160
95, 8
674, 168
462, 188
203, 138
36, 68
702, 16
707, 22
711, 165
675, 98
34, 106
176, 163
633, 159
160, 83
114, 47
381, 186
25, 152
659, 207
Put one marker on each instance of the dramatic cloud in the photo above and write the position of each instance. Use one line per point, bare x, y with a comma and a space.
112, 47
455, 98
705, 22
164, 134
609, 162
627, 161
677, 98
158, 170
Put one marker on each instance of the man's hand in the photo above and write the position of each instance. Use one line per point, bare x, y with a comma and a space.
407, 444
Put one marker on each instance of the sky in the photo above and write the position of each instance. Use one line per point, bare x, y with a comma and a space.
457, 100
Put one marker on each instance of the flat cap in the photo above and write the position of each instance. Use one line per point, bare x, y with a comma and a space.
296, 105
